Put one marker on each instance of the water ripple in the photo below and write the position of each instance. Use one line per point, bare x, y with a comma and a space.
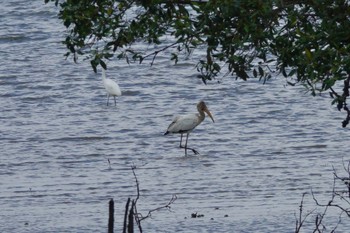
64, 153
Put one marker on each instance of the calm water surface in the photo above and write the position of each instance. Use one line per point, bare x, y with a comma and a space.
269, 143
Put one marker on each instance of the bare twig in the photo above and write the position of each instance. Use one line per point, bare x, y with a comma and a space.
320, 216
338, 200
155, 53
134, 214
167, 206
300, 220
137, 183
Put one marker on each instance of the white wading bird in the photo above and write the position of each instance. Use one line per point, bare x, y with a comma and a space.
186, 123
111, 87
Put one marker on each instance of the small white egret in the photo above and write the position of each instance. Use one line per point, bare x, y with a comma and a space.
186, 123
111, 87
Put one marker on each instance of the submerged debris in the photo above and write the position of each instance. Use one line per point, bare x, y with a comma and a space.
195, 215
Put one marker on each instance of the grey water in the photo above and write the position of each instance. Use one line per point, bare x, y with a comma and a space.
64, 154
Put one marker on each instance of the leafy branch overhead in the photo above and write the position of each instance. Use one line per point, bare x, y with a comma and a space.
307, 41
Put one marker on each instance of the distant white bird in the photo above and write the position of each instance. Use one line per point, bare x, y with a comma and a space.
111, 87
186, 123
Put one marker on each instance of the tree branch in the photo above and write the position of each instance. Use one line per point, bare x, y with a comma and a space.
133, 210
167, 206
300, 220
155, 53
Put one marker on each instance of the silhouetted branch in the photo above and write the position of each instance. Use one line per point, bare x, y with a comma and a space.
155, 53
111, 217
300, 220
126, 215
339, 199
341, 100
320, 216
131, 218
345, 180
132, 215
345, 95
137, 183
167, 206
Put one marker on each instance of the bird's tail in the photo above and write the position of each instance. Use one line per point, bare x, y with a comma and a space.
167, 132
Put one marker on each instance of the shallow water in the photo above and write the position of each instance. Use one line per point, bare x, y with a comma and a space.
269, 143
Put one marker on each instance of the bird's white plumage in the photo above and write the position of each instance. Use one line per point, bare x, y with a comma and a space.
111, 87
186, 123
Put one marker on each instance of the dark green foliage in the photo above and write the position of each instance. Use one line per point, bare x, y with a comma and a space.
308, 42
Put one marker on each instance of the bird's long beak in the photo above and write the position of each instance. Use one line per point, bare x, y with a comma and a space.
209, 114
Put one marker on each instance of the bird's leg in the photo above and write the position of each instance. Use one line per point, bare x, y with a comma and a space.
181, 146
181, 141
115, 101
194, 151
186, 143
107, 99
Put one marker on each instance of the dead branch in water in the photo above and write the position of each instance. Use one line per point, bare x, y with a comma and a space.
132, 215
340, 199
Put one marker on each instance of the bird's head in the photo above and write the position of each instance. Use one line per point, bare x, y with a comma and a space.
202, 107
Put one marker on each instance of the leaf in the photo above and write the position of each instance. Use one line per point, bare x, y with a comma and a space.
103, 64
292, 72
174, 57
284, 72
308, 54
255, 73
203, 78
216, 67
93, 65
108, 55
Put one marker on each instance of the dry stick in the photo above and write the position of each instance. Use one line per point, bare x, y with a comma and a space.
345, 180
131, 218
137, 219
126, 215
155, 53
299, 223
320, 216
137, 184
348, 181
328, 205
111, 217
138, 216
167, 206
